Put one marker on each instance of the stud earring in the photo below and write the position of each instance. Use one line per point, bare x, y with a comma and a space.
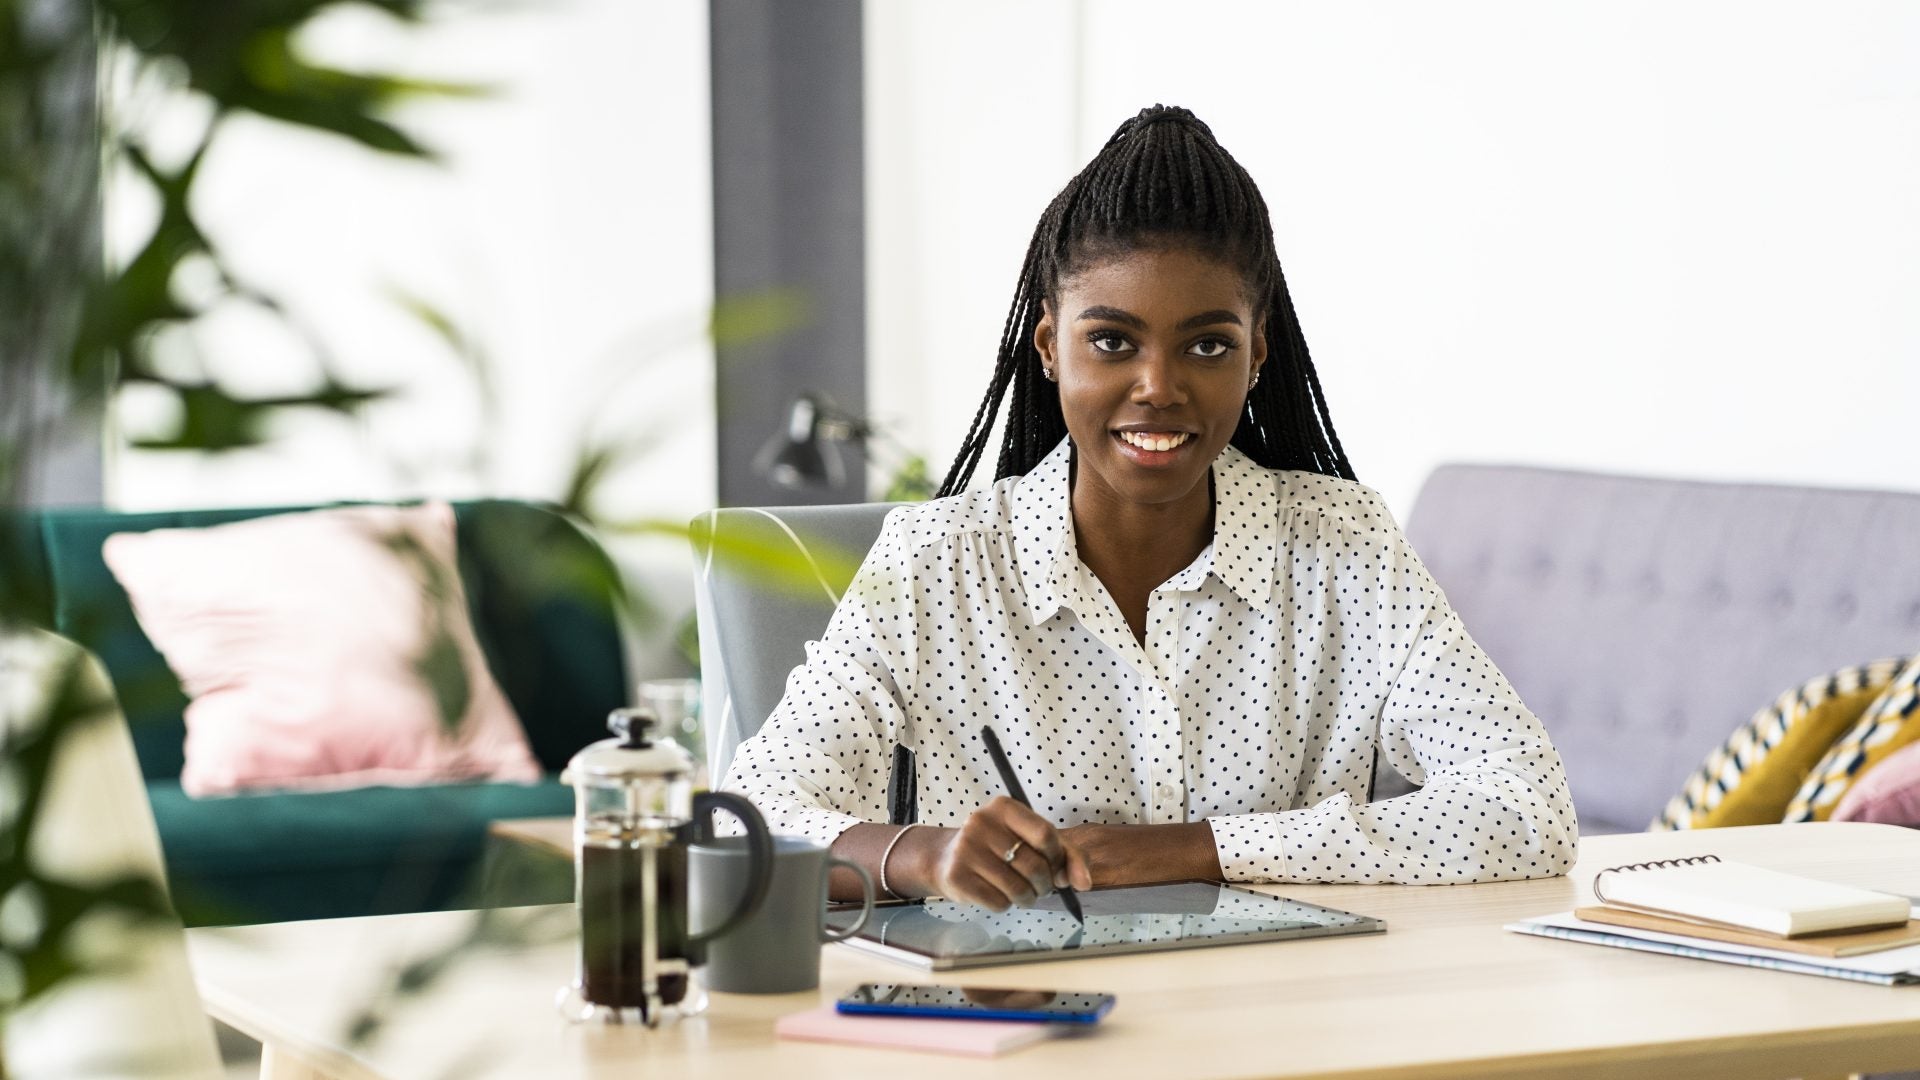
1048, 372
1255, 382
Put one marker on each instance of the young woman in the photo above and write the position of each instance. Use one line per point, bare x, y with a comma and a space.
1190, 627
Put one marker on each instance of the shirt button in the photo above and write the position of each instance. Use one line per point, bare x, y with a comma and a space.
1167, 793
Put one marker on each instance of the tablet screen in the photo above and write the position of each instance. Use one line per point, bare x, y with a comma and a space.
940, 934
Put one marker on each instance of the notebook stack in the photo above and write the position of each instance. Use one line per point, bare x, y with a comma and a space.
1710, 909
1751, 905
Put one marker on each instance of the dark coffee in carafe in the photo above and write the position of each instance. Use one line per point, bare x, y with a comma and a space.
613, 909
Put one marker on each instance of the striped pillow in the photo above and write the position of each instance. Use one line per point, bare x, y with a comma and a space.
1892, 721
1751, 778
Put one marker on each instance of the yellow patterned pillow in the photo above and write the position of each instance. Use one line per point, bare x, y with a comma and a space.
1891, 722
1752, 777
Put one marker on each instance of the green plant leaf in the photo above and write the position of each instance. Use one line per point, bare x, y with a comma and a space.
595, 464
49, 957
211, 419
778, 564
590, 468
244, 56
123, 308
756, 316
275, 81
686, 639
444, 671
911, 482
440, 664
29, 748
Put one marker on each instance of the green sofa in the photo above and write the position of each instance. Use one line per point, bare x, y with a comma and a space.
543, 599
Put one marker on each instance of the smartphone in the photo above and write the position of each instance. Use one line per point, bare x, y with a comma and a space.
976, 1003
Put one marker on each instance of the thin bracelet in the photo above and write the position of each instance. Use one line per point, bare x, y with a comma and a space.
884, 855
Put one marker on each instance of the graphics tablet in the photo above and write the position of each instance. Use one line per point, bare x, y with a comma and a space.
940, 935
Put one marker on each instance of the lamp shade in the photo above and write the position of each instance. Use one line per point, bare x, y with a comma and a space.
803, 464
803, 454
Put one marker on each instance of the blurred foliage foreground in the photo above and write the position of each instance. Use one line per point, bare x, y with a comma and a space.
75, 330
78, 328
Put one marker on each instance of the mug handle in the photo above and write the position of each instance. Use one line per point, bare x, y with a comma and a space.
759, 856
866, 898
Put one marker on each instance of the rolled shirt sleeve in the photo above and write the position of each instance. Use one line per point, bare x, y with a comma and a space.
1495, 803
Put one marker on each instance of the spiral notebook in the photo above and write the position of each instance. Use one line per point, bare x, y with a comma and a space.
1713, 892
1733, 913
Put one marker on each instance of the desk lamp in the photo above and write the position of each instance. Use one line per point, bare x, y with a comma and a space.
806, 452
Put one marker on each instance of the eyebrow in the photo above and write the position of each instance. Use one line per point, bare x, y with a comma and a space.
1127, 318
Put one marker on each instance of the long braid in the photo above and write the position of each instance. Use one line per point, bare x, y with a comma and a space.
1161, 178
981, 429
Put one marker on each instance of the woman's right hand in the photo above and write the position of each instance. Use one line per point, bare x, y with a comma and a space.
971, 863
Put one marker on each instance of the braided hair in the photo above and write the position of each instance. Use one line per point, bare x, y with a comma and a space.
1161, 180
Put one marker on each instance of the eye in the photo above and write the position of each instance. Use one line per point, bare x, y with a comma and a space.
1109, 341
1212, 348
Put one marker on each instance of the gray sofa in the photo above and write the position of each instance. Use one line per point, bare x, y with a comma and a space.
1642, 620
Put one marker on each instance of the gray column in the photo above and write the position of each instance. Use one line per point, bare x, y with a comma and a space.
49, 246
788, 214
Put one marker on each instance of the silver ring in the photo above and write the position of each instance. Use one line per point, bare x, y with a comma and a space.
1014, 850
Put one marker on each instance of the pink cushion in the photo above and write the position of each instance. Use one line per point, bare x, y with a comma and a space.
297, 638
1889, 793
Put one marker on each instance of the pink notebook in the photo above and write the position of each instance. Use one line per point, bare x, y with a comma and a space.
975, 1038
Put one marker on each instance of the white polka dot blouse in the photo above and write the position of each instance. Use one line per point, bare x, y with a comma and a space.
1303, 638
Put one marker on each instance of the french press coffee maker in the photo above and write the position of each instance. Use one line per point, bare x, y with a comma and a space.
635, 814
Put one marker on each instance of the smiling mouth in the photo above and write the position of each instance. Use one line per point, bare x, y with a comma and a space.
1155, 441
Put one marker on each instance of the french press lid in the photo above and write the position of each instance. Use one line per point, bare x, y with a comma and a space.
637, 751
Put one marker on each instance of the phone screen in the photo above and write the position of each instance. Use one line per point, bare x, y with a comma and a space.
976, 1002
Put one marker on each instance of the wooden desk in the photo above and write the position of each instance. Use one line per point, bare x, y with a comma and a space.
551, 835
1445, 992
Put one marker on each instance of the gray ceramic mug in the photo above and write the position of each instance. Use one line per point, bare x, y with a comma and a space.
776, 950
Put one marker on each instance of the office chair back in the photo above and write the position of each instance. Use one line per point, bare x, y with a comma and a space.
766, 583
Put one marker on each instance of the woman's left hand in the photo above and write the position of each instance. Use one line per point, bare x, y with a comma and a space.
1139, 854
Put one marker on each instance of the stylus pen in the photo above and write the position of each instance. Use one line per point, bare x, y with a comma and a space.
1007, 777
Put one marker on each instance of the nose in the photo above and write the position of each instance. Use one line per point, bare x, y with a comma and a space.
1159, 381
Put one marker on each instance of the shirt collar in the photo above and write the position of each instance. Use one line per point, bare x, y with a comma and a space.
1246, 529
1043, 545
1246, 526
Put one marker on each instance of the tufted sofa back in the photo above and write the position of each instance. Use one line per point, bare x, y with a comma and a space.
1643, 620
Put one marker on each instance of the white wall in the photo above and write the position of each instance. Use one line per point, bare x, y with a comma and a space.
569, 229
952, 197
1668, 238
